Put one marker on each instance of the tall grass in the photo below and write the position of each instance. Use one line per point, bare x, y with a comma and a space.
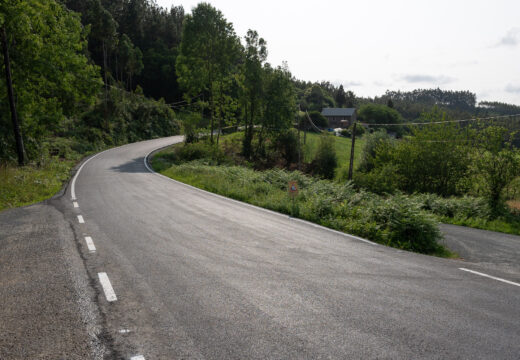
21, 186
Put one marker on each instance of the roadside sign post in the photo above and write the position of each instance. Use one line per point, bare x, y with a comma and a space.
293, 192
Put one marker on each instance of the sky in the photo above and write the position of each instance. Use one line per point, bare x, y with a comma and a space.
370, 46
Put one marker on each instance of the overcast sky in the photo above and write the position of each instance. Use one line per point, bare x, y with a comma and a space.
370, 46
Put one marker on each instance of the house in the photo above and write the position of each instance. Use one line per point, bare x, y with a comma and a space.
339, 117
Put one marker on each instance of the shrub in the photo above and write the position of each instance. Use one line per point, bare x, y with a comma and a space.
197, 151
287, 144
325, 161
191, 127
360, 130
381, 180
368, 155
345, 133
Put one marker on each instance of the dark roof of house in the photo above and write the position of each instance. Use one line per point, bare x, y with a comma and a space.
338, 111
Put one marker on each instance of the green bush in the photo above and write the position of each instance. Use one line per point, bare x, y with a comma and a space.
455, 207
287, 145
325, 161
381, 180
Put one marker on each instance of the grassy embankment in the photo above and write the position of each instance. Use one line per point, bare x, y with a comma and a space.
26, 185
396, 221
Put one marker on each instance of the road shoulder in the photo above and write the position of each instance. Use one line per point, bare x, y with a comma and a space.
47, 303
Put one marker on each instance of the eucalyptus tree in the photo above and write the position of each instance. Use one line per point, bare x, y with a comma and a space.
209, 54
253, 84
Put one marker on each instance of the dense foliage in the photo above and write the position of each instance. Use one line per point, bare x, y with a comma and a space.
52, 78
443, 158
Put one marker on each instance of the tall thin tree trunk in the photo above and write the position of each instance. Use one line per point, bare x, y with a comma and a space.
211, 106
105, 70
12, 105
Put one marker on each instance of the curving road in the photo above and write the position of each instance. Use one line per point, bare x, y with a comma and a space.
198, 276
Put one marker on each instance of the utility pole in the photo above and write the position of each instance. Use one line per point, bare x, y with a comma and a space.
352, 152
299, 142
14, 117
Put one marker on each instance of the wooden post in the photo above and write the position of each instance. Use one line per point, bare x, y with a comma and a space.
352, 152
299, 142
14, 117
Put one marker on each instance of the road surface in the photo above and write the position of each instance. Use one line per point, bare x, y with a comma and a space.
179, 273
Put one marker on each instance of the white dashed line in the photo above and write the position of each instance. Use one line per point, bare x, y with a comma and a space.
137, 357
75, 203
80, 219
90, 244
107, 287
491, 277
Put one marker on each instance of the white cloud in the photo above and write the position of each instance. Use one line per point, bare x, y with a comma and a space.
512, 38
423, 78
515, 89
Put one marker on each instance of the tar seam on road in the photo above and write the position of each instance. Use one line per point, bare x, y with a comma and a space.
253, 206
90, 244
80, 219
491, 277
107, 287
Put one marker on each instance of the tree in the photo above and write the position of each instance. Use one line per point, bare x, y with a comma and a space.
496, 163
325, 161
340, 97
317, 98
102, 37
253, 85
130, 59
51, 76
350, 99
209, 52
434, 159
279, 100
380, 114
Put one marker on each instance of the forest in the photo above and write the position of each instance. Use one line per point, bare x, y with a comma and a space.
85, 75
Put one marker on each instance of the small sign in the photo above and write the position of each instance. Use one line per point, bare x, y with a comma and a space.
293, 188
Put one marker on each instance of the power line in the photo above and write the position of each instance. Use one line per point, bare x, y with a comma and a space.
444, 122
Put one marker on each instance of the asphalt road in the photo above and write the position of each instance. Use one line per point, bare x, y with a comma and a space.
198, 276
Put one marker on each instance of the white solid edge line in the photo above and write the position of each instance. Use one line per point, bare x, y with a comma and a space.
75, 203
90, 244
491, 277
80, 219
253, 206
107, 287
137, 357
73, 184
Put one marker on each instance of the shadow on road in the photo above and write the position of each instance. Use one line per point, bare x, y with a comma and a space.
134, 166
